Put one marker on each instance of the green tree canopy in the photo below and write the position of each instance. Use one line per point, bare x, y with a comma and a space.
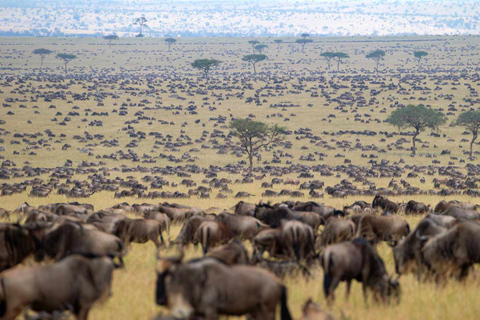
253, 59
42, 52
205, 65
261, 47
303, 42
110, 38
417, 117
328, 56
376, 56
254, 135
142, 22
471, 121
419, 55
278, 42
170, 41
66, 57
304, 35
340, 56
253, 43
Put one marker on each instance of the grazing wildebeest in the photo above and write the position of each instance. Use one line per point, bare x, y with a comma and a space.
74, 283
407, 252
230, 254
454, 251
140, 231
188, 230
414, 207
382, 228
244, 227
337, 230
207, 288
385, 204
312, 311
298, 239
244, 208
273, 215
211, 233
357, 260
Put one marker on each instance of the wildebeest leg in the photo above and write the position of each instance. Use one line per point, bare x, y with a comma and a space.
161, 238
210, 314
364, 289
347, 292
83, 314
329, 286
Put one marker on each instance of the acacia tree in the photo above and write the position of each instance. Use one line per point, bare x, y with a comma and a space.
42, 52
278, 42
304, 35
142, 22
328, 56
303, 42
340, 56
471, 121
260, 47
416, 117
254, 135
110, 38
376, 56
419, 55
253, 59
205, 65
169, 42
66, 58
253, 43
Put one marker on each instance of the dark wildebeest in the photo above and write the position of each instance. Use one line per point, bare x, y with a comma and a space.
178, 213
79, 211
382, 228
454, 251
357, 260
16, 243
230, 254
160, 217
208, 288
189, 229
324, 211
385, 204
273, 215
337, 230
407, 252
312, 311
298, 239
244, 227
460, 213
65, 239
283, 268
414, 207
105, 221
73, 284
444, 221
244, 208
140, 231
444, 205
269, 240
211, 233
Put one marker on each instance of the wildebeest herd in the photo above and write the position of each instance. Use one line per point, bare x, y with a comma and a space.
82, 247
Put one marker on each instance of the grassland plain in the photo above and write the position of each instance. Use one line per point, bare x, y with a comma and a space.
101, 79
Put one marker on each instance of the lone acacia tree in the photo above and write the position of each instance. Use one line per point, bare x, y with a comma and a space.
169, 42
253, 59
110, 38
42, 52
416, 117
328, 56
260, 47
253, 43
66, 58
376, 56
471, 121
340, 56
303, 42
278, 42
255, 135
142, 22
419, 55
205, 65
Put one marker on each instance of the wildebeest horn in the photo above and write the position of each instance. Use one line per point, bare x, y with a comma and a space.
421, 238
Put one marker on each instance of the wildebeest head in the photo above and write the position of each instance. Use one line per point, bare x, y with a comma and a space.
165, 266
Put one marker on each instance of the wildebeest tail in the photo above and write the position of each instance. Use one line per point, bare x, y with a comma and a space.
3, 300
296, 244
327, 263
285, 313
205, 240
407, 231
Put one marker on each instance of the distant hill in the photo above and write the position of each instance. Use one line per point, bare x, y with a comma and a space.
238, 17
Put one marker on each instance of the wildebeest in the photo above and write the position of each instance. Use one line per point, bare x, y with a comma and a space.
269, 240
140, 231
454, 251
273, 216
16, 244
312, 311
298, 239
384, 204
459, 213
105, 221
337, 230
414, 207
407, 252
230, 254
382, 228
283, 268
207, 288
188, 230
357, 260
245, 227
244, 208
74, 283
211, 233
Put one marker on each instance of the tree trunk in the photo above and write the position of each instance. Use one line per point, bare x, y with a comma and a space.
169, 47
413, 142
66, 67
471, 145
254, 69
378, 62
303, 48
41, 62
329, 65
250, 167
338, 65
